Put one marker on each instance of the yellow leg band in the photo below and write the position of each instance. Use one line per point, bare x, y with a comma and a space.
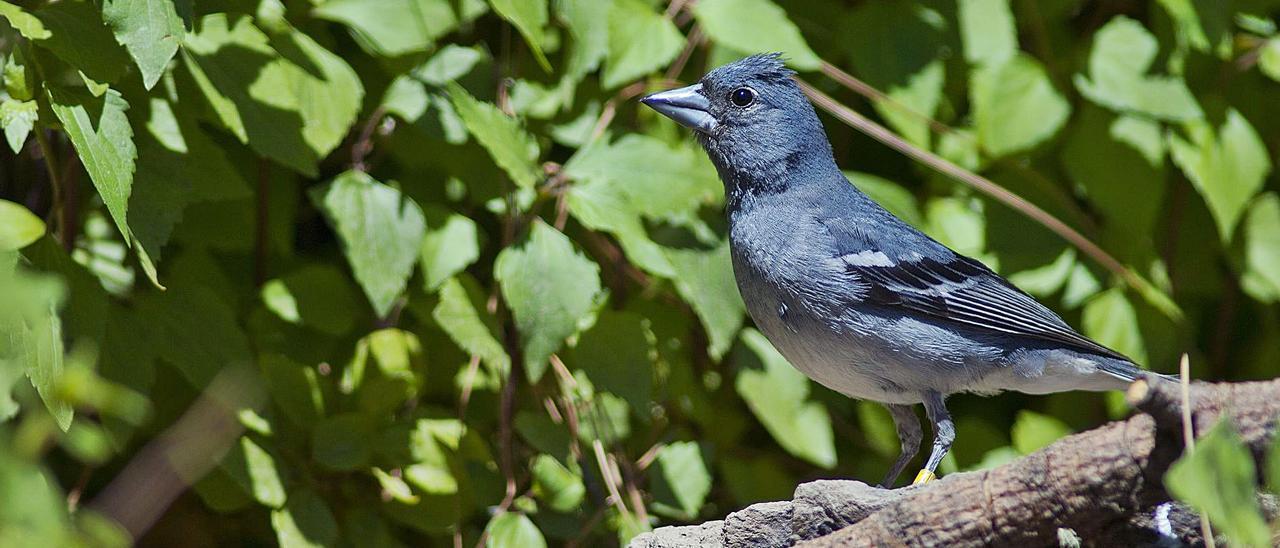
924, 476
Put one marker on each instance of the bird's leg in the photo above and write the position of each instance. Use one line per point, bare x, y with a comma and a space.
909, 434
944, 432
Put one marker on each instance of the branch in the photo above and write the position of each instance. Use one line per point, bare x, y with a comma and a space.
1105, 485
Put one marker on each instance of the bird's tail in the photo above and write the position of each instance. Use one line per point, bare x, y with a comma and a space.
1128, 371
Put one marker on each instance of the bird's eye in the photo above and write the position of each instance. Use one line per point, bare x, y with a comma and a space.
743, 97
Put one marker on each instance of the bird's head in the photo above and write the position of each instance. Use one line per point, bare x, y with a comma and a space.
752, 119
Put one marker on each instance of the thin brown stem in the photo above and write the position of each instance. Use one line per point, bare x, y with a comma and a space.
58, 209
363, 145
691, 42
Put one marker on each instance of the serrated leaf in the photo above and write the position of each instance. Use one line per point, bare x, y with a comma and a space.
641, 41
1227, 167
285, 95
1110, 319
528, 16
459, 317
1118, 65
681, 477
513, 530
555, 485
755, 26
392, 28
705, 280
661, 181
100, 132
1015, 105
381, 232
550, 288
778, 396
17, 118
1219, 478
513, 149
601, 205
1033, 431
305, 522
78, 36
19, 227
31, 332
150, 30
451, 244
24, 22
988, 31
588, 23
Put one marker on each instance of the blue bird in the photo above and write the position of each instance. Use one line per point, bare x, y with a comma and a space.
854, 297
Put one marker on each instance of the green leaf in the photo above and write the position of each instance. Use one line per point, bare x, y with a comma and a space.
1122, 55
17, 118
100, 131
1269, 59
24, 22
395, 487
459, 317
601, 205
1033, 431
641, 41
616, 355
588, 24
1015, 105
391, 28
682, 478
31, 332
1119, 163
381, 232
1261, 278
551, 290
197, 332
1205, 26
79, 37
18, 227
451, 244
896, 199
705, 280
528, 16
318, 296
1110, 319
305, 522
755, 26
778, 396
507, 143
342, 442
1219, 479
660, 181
294, 387
255, 470
150, 30
513, 530
988, 31
286, 96
555, 485
1227, 167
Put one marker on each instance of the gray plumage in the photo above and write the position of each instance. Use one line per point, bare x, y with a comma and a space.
852, 296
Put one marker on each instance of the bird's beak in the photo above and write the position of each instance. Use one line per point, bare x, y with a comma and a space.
687, 106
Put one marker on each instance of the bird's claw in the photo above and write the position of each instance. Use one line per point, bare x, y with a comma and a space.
925, 476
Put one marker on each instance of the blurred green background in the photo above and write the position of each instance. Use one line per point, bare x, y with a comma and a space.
443, 282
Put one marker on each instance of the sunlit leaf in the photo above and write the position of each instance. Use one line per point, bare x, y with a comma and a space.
641, 41
1033, 431
704, 278
18, 226
988, 31
1219, 478
150, 30
392, 27
529, 16
1118, 75
755, 26
305, 522
682, 480
778, 395
550, 288
1015, 105
510, 146
513, 530
1227, 166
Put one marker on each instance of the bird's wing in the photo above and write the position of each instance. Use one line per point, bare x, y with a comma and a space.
962, 290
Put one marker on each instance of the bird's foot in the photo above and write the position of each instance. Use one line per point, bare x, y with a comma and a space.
925, 476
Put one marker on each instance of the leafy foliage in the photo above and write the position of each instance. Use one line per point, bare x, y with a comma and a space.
487, 297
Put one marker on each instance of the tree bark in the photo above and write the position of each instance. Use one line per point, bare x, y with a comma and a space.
1093, 483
